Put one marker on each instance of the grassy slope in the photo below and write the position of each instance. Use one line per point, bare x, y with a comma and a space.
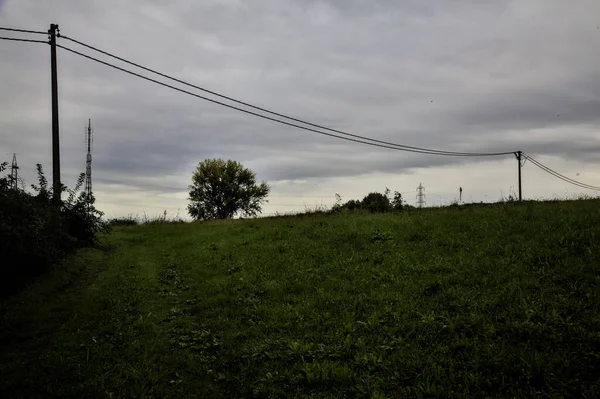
500, 300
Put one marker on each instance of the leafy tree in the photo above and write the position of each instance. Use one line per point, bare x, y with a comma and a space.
222, 189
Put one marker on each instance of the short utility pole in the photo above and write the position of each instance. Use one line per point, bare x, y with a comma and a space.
519, 156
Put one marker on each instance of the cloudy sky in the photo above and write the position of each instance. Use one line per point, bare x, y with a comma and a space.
460, 75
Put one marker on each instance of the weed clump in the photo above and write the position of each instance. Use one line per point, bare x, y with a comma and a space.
35, 231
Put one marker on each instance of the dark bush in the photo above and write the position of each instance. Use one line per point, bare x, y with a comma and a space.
35, 233
353, 205
376, 203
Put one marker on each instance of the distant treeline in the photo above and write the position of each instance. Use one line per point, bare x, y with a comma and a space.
372, 203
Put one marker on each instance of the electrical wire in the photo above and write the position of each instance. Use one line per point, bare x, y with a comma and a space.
257, 114
38, 32
15, 39
575, 183
560, 176
387, 143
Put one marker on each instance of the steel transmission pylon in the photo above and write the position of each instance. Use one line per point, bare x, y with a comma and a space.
420, 196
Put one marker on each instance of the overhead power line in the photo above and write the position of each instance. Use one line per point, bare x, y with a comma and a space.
260, 115
560, 176
314, 125
38, 32
16, 39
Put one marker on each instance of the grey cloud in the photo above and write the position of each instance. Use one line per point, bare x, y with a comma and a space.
450, 75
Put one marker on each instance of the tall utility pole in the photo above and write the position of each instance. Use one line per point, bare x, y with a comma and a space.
56, 186
14, 176
519, 156
88, 166
420, 196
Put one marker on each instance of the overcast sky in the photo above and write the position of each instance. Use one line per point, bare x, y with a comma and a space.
460, 75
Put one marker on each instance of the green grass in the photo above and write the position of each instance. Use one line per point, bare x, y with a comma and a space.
479, 301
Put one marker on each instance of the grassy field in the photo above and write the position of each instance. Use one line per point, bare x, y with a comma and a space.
481, 301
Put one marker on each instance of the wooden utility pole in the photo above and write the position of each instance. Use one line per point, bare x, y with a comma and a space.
56, 185
519, 156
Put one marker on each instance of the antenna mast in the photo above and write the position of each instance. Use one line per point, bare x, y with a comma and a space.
88, 167
14, 176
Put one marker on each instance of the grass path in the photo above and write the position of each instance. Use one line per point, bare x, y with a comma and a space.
495, 301
29, 320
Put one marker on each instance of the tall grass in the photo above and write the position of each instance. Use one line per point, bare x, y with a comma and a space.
130, 220
477, 301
